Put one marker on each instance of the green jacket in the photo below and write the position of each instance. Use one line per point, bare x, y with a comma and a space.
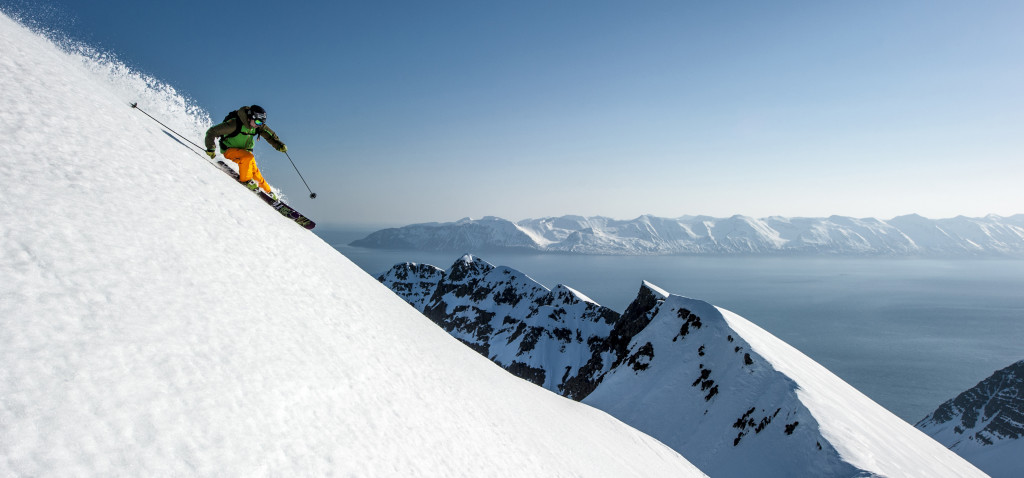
234, 136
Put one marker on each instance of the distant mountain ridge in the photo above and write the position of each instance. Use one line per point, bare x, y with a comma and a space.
910, 235
732, 398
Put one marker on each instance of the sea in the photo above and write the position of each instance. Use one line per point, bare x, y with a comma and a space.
910, 333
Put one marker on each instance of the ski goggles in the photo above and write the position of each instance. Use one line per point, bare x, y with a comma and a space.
259, 121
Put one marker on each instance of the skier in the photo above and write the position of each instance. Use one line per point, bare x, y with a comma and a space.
238, 135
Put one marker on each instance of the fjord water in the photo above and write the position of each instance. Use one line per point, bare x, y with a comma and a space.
910, 333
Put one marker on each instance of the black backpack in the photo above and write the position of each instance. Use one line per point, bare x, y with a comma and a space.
238, 128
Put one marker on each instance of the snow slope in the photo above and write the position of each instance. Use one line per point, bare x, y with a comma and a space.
158, 319
901, 236
726, 394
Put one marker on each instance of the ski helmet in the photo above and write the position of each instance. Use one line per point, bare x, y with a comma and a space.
258, 114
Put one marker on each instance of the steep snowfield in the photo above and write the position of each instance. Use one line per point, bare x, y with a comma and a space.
157, 319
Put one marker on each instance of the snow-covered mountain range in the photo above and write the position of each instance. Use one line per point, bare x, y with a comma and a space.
986, 423
158, 319
647, 235
732, 398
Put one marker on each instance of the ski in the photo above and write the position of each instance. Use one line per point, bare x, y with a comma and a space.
280, 206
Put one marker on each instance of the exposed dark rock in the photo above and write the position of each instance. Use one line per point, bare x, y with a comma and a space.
642, 358
562, 334
711, 394
508, 295
689, 320
637, 316
704, 374
990, 411
533, 334
526, 372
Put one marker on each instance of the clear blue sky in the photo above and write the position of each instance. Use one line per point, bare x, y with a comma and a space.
413, 111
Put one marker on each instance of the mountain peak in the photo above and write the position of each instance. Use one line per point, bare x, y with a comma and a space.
467, 266
575, 293
658, 292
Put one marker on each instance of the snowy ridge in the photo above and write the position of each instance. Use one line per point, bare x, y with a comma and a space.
729, 396
414, 282
986, 423
492, 309
139, 338
901, 236
465, 234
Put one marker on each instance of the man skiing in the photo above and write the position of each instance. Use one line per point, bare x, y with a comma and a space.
238, 135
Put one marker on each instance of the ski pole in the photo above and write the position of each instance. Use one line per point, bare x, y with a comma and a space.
136, 106
312, 195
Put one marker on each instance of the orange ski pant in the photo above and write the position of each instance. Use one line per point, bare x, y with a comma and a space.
247, 168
